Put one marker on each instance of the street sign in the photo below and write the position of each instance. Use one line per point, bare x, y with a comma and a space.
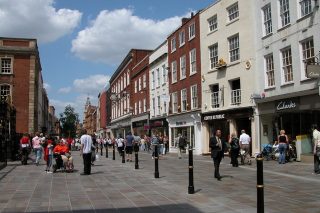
313, 70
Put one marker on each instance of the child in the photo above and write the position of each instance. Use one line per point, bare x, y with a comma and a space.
49, 155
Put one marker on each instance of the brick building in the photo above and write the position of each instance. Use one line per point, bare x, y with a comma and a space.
21, 82
185, 82
102, 114
90, 118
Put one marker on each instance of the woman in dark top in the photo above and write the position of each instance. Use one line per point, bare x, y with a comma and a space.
234, 149
283, 142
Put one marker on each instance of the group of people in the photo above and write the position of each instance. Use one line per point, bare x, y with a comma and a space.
48, 147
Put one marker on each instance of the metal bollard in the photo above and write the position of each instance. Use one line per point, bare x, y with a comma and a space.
191, 184
107, 154
156, 163
260, 186
123, 156
113, 152
136, 164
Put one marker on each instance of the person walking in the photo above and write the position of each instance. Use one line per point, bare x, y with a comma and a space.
316, 148
48, 155
234, 149
120, 144
25, 147
283, 142
217, 147
85, 151
129, 143
37, 147
245, 141
181, 145
154, 143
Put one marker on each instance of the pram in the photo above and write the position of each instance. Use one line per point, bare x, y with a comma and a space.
267, 152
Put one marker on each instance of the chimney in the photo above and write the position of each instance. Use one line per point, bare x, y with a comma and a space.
184, 20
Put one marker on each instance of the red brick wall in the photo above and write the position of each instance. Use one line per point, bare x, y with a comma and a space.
103, 109
15, 43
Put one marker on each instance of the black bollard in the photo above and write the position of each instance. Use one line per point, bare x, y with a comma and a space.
123, 156
136, 164
260, 186
156, 163
101, 148
191, 185
107, 154
113, 152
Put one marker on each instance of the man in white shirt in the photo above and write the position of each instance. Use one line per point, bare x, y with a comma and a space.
316, 148
85, 151
245, 141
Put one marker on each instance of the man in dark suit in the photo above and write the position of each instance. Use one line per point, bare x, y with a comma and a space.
217, 152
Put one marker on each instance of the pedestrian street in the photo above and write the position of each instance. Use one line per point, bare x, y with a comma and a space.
114, 186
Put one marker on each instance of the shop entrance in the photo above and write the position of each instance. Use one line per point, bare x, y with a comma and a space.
243, 123
223, 125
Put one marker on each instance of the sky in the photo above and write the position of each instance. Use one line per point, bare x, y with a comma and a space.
82, 42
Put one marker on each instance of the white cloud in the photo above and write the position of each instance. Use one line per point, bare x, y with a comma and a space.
36, 19
91, 85
60, 105
64, 90
47, 86
113, 33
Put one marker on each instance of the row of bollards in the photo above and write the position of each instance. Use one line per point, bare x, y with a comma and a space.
259, 159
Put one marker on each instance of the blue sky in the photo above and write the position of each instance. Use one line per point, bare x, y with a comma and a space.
81, 42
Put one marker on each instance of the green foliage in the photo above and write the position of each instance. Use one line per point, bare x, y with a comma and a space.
68, 120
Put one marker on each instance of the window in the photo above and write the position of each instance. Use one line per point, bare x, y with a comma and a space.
164, 104
183, 67
144, 105
135, 86
174, 71
159, 106
306, 7
192, 31
194, 97
173, 44
4, 91
235, 92
164, 74
174, 102
154, 106
181, 38
135, 108
233, 12
213, 23
267, 19
124, 81
140, 106
158, 78
183, 100
121, 83
284, 12
234, 51
152, 80
269, 70
128, 78
287, 65
139, 84
215, 102
193, 66
213, 53
6, 66
144, 81
307, 53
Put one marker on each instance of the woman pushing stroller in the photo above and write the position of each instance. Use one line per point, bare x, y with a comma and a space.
63, 156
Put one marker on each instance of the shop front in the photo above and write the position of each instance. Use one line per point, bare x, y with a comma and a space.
228, 121
139, 125
160, 126
189, 126
295, 115
120, 128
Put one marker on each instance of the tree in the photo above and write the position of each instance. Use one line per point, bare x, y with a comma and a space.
69, 119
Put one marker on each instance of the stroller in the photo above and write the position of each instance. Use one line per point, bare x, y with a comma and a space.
267, 152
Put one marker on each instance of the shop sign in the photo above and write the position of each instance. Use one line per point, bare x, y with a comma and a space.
157, 123
313, 71
180, 123
286, 105
214, 117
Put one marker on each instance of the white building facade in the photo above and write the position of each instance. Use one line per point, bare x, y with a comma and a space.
287, 39
228, 69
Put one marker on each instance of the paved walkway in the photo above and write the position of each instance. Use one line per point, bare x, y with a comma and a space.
117, 187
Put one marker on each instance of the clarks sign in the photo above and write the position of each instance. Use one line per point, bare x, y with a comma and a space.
287, 104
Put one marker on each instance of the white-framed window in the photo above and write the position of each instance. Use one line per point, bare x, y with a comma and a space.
182, 38
121, 83
192, 30
139, 84
140, 106
307, 48
213, 54
287, 65
234, 50
159, 105
233, 12
183, 67
5, 91
174, 71
158, 77
267, 19
124, 81
144, 81
165, 110
306, 7
6, 66
128, 77
144, 105
284, 12
152, 80
135, 108
154, 106
183, 100
213, 23
164, 74
135, 86
270, 81
173, 44
174, 102
194, 97
193, 65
